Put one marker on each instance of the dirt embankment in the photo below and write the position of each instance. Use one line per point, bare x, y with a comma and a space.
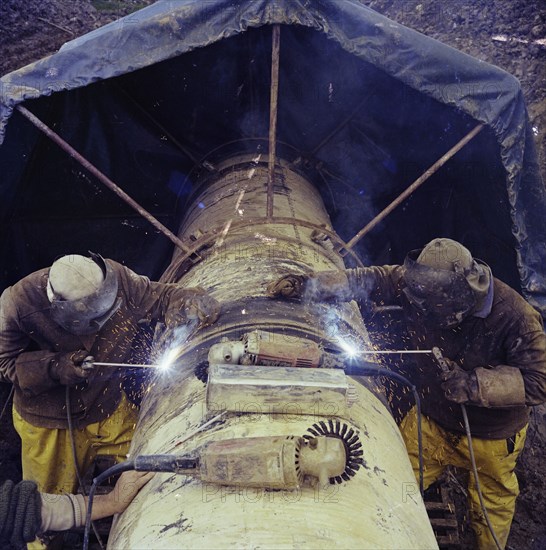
510, 35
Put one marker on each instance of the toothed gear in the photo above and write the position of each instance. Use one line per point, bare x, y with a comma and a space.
353, 447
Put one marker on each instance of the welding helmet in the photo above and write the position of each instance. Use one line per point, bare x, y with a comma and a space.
82, 293
444, 283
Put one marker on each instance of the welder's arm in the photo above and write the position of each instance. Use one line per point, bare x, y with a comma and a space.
61, 512
38, 371
191, 305
499, 387
35, 372
363, 283
320, 286
380, 284
167, 302
522, 381
526, 353
502, 386
13, 340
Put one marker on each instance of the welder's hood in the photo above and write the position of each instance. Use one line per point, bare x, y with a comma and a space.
82, 293
365, 106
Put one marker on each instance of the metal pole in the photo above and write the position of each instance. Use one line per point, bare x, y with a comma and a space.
273, 106
100, 176
128, 365
417, 183
385, 352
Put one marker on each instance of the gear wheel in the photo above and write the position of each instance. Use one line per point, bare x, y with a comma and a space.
353, 447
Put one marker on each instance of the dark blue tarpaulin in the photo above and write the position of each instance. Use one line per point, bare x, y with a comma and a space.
365, 106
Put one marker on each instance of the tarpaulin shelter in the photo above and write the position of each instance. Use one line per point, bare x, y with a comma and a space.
365, 106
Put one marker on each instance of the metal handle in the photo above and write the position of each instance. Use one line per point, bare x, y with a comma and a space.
88, 363
440, 359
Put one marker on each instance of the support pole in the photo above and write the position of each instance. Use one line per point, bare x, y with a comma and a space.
417, 183
100, 176
273, 106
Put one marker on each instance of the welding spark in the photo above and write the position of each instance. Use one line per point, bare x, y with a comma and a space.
349, 348
168, 359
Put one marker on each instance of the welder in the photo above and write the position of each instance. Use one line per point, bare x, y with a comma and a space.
494, 344
52, 321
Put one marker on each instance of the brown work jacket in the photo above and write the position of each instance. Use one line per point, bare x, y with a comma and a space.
512, 335
30, 340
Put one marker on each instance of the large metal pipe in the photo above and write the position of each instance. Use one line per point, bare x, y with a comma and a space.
378, 505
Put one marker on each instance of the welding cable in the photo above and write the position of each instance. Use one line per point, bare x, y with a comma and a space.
112, 471
75, 455
366, 369
476, 479
179, 464
159, 463
4, 408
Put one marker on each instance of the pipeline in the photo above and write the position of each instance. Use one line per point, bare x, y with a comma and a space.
375, 500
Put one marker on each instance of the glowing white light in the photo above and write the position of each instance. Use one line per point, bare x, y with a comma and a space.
168, 359
349, 348
243, 311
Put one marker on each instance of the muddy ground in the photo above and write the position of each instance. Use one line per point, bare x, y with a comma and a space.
508, 33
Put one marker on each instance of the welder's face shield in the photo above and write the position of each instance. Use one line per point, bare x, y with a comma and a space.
87, 315
442, 297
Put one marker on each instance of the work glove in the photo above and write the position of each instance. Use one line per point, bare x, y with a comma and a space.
322, 286
459, 385
20, 513
71, 368
195, 304
288, 286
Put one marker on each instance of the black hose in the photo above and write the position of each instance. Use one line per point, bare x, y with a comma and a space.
371, 369
113, 470
4, 408
476, 479
75, 455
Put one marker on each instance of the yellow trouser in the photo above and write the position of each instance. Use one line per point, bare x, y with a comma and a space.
495, 465
47, 453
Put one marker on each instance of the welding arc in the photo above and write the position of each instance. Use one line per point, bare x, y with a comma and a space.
351, 442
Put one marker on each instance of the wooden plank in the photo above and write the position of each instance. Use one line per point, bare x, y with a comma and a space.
443, 522
438, 506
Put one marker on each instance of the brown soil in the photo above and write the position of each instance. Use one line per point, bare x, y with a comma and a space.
509, 34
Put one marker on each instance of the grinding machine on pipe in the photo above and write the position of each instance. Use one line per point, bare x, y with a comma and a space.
289, 451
